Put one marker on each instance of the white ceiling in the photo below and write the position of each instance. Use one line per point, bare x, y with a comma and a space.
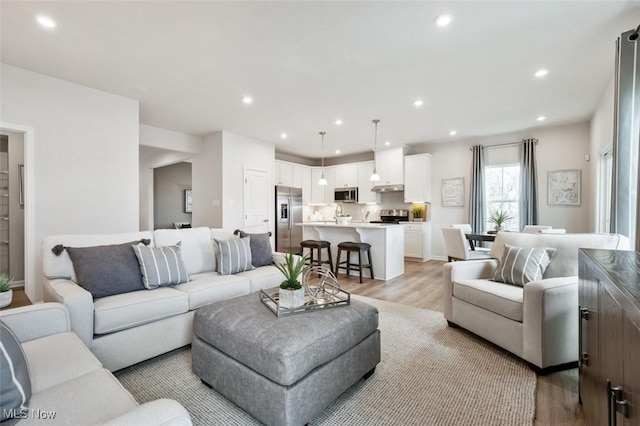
308, 63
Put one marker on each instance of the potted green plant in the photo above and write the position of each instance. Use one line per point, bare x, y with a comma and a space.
416, 210
6, 293
291, 292
498, 219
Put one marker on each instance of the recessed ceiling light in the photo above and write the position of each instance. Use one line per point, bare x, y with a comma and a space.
387, 143
283, 135
338, 122
337, 151
45, 21
541, 118
443, 20
541, 73
453, 133
418, 103
247, 99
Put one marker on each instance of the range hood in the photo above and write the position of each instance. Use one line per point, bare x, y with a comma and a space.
388, 188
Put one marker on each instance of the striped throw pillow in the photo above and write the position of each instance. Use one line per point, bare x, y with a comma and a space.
521, 265
161, 266
15, 384
234, 255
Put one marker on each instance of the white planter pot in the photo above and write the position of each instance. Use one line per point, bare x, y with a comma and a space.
343, 220
291, 298
5, 298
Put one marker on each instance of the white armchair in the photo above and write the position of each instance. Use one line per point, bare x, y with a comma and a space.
538, 322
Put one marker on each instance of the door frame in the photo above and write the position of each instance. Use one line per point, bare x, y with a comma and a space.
30, 246
600, 190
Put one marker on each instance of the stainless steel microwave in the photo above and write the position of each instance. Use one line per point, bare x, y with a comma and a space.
346, 195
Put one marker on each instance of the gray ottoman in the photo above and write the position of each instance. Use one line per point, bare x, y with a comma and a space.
283, 371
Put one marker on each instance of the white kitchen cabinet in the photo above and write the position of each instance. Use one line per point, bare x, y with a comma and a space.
365, 195
390, 166
302, 179
283, 173
417, 178
417, 241
346, 176
322, 194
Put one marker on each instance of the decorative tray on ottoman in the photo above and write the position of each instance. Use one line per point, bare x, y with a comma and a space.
270, 297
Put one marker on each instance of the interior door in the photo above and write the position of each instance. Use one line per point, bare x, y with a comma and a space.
256, 200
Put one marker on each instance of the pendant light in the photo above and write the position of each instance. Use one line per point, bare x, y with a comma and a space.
322, 180
375, 177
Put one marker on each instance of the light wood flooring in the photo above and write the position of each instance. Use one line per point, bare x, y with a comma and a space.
421, 287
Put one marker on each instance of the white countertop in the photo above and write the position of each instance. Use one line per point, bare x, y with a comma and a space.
350, 225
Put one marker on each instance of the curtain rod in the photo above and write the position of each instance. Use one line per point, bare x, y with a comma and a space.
501, 145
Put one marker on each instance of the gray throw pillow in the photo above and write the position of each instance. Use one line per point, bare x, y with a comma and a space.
15, 384
161, 266
106, 270
520, 265
261, 253
234, 255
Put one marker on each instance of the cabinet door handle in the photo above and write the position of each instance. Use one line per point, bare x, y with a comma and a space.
584, 313
617, 404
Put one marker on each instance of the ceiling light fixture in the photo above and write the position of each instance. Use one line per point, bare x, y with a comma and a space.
453, 133
337, 151
338, 122
541, 118
247, 100
375, 176
322, 180
45, 21
418, 103
443, 20
541, 73
387, 143
283, 135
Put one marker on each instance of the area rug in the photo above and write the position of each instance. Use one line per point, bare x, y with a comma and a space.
430, 374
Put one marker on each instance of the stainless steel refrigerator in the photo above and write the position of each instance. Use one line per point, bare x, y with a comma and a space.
288, 214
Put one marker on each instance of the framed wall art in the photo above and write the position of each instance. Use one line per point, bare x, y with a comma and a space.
187, 201
453, 192
563, 188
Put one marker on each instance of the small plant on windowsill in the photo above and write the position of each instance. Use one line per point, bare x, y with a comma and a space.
6, 293
498, 219
291, 293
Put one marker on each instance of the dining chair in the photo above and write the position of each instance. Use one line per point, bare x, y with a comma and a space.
466, 228
454, 240
535, 229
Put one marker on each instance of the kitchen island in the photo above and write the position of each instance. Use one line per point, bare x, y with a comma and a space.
387, 244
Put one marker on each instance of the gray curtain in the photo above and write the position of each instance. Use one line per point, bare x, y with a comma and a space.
477, 190
528, 184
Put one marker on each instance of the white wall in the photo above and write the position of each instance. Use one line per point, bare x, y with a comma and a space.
601, 138
218, 178
85, 161
559, 148
206, 179
240, 153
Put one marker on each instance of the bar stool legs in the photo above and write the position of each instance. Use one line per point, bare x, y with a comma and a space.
314, 245
350, 247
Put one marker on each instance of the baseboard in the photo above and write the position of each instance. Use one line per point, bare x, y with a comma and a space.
17, 284
548, 370
441, 258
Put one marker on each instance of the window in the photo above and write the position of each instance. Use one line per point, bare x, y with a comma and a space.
502, 189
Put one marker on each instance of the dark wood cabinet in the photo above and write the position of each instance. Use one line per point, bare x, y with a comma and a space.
609, 333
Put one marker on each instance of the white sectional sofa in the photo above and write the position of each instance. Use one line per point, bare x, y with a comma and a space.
124, 329
537, 322
69, 386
